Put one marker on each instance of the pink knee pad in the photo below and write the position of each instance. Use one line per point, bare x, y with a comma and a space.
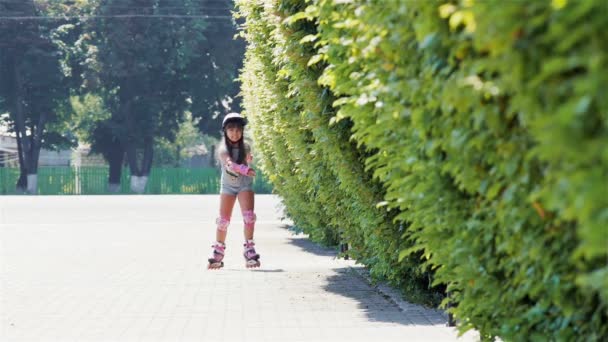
222, 223
249, 218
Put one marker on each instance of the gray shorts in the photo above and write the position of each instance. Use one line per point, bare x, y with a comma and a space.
232, 185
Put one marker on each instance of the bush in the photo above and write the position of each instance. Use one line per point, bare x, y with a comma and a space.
480, 126
314, 166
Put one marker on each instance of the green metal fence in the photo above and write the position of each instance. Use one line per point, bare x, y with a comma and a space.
94, 181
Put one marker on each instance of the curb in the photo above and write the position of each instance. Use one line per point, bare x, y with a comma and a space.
394, 296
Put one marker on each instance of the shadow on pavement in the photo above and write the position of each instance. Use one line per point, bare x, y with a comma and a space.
310, 247
377, 306
260, 270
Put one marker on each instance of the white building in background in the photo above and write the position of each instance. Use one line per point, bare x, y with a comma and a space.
82, 156
8, 151
197, 156
9, 156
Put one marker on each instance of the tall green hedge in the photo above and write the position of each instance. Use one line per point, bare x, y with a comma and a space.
316, 167
481, 126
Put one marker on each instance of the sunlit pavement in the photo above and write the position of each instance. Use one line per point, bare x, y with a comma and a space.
133, 268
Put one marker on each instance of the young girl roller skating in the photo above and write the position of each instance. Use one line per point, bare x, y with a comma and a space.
236, 183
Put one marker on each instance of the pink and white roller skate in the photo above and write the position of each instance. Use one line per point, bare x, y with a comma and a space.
252, 259
215, 261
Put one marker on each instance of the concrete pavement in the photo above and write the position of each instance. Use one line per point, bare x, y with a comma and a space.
133, 268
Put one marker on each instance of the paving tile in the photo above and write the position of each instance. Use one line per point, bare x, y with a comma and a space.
133, 268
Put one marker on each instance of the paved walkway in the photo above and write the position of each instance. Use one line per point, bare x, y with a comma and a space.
132, 268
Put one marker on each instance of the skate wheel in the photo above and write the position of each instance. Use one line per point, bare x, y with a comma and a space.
252, 264
215, 266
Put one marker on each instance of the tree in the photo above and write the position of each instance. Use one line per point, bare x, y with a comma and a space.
214, 72
34, 87
147, 50
187, 139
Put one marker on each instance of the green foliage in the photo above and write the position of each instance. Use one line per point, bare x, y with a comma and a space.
187, 137
34, 82
88, 110
312, 163
480, 125
151, 61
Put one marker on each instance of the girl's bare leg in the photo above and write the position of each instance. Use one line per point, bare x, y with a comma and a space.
246, 202
226, 206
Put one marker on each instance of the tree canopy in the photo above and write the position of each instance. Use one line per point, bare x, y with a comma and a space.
145, 62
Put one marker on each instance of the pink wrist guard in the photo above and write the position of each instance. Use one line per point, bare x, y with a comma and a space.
241, 168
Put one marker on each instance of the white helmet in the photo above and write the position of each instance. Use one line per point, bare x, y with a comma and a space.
233, 117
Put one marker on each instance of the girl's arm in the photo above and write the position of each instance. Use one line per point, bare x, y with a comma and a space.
226, 161
249, 159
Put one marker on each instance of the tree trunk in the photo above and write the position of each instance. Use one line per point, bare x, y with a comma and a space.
116, 157
139, 180
148, 156
31, 156
132, 159
37, 133
28, 147
21, 186
138, 184
131, 143
22, 142
32, 184
136, 173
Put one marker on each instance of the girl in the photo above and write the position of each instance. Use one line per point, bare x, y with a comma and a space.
236, 183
